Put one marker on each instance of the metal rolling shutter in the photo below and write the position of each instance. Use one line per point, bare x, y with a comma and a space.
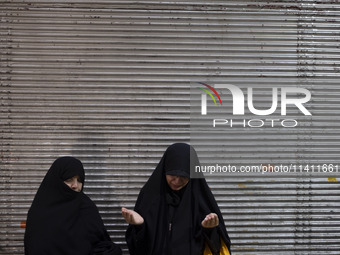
109, 82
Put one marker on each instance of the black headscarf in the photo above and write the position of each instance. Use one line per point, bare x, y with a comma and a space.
195, 202
62, 221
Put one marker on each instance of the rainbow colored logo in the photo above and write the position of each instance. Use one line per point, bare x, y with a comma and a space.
209, 93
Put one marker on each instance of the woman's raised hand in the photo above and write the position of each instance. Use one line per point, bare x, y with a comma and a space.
132, 217
210, 221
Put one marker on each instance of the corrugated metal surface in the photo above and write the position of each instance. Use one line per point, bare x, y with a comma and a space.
109, 82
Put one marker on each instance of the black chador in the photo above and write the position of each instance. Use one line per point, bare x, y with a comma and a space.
62, 221
172, 219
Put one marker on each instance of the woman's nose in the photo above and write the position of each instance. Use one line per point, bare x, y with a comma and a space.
177, 179
74, 184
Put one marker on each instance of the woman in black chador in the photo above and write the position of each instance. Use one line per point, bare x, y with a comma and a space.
62, 219
176, 215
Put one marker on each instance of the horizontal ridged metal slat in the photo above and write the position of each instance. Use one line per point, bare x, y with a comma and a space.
109, 82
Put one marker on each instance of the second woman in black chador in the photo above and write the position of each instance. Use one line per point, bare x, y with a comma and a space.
176, 215
62, 219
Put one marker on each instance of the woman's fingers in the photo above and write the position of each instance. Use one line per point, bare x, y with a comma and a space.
124, 213
132, 217
127, 215
210, 221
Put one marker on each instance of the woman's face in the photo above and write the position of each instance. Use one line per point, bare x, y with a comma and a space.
176, 182
74, 183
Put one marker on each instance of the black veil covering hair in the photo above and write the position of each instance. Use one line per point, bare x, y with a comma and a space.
62, 221
196, 202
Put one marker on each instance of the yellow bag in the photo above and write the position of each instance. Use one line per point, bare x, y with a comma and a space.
224, 249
